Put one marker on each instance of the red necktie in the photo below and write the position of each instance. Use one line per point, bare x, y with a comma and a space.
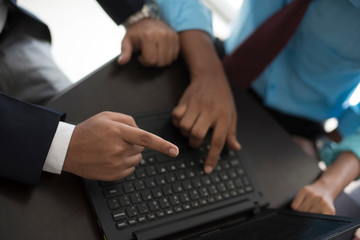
247, 62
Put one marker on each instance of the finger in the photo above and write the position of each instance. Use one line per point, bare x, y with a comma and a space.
306, 204
199, 130
176, 48
231, 138
217, 143
120, 117
149, 53
178, 114
131, 161
134, 150
146, 139
163, 55
126, 172
189, 118
126, 51
298, 200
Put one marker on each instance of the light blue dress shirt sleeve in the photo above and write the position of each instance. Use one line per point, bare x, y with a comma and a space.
349, 144
184, 15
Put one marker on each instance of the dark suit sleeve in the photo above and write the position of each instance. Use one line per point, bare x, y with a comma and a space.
26, 133
120, 10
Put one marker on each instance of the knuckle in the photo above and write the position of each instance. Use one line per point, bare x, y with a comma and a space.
197, 134
145, 139
149, 36
217, 143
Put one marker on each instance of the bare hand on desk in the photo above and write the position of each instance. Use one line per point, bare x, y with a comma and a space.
158, 43
208, 103
108, 146
314, 198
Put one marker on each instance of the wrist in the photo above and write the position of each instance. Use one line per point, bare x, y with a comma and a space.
150, 10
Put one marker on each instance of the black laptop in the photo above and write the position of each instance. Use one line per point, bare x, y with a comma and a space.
172, 198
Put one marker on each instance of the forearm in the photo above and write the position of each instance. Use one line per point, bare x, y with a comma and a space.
199, 54
338, 175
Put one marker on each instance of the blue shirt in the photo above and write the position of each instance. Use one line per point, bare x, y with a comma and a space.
315, 74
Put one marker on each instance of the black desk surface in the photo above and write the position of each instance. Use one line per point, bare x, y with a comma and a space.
58, 208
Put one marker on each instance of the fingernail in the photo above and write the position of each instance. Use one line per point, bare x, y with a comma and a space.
173, 152
208, 169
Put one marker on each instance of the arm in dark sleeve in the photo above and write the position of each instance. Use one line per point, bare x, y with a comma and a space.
120, 10
26, 133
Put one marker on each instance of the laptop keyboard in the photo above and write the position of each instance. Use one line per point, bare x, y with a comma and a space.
162, 186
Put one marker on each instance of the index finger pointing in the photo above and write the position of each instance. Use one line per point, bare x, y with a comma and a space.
146, 139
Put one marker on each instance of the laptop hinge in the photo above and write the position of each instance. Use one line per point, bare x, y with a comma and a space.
257, 208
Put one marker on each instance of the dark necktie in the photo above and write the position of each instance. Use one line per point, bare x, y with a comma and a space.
247, 62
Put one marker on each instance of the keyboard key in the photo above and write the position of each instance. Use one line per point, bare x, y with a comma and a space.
164, 203
174, 200
112, 191
118, 215
151, 216
170, 177
221, 187
160, 180
194, 194
169, 211
180, 175
135, 198
195, 204
150, 182
157, 193
139, 185
124, 201
131, 177
196, 183
113, 203
177, 187
146, 195
204, 192
131, 211
167, 190
143, 208
187, 185
128, 187
184, 197
177, 209
140, 173
160, 213
186, 206
132, 221
150, 171
141, 219
171, 166
154, 206
121, 225
161, 169
214, 177
150, 159
205, 180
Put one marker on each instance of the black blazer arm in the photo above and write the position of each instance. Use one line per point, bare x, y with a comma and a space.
26, 133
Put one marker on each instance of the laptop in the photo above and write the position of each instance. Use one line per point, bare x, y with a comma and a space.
172, 198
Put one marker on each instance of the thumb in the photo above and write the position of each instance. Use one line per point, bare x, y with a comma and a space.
126, 51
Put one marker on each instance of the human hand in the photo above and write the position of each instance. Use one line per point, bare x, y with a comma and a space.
158, 43
315, 198
108, 146
208, 103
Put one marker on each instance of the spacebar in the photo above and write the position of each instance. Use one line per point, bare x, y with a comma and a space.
187, 223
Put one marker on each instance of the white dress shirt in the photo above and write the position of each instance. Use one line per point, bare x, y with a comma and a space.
56, 156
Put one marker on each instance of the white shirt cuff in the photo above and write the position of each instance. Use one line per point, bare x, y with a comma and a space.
56, 156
